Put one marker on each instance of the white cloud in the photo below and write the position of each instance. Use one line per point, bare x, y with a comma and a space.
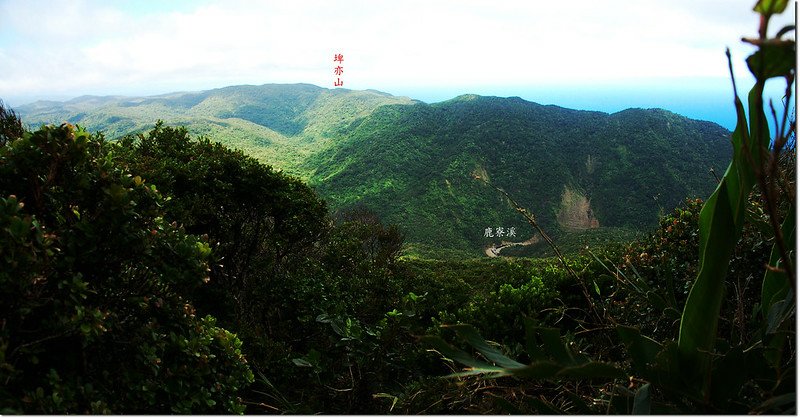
89, 46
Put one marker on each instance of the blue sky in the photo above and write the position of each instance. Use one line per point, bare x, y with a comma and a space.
604, 55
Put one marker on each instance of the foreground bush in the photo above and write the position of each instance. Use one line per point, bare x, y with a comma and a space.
93, 317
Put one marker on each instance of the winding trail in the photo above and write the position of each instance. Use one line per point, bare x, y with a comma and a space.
494, 250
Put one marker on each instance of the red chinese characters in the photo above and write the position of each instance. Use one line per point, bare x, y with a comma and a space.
338, 70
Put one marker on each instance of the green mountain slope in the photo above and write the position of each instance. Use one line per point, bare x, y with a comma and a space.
277, 123
416, 164
576, 170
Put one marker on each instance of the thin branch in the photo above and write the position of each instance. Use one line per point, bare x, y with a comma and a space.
532, 221
714, 173
39, 341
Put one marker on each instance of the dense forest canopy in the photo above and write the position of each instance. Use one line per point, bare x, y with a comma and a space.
163, 272
413, 164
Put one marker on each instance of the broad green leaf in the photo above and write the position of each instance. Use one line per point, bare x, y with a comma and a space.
772, 60
699, 322
770, 7
458, 355
116, 192
776, 284
18, 228
473, 338
488, 372
301, 362
337, 329
641, 401
759, 128
538, 370
721, 222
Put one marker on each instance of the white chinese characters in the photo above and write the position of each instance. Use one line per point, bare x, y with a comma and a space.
499, 232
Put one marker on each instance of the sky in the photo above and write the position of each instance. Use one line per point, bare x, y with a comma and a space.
605, 55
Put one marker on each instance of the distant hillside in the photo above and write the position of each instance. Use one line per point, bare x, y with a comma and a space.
415, 164
576, 170
277, 123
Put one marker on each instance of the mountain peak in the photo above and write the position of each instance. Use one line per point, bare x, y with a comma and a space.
465, 98
411, 162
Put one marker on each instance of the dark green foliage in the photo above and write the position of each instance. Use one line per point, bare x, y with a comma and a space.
414, 166
110, 302
278, 124
550, 357
92, 286
733, 353
340, 312
278, 107
499, 312
10, 125
642, 287
361, 256
723, 216
267, 231
309, 296
261, 223
658, 272
456, 290
667, 261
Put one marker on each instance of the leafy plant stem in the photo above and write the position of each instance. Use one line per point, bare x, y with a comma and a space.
532, 221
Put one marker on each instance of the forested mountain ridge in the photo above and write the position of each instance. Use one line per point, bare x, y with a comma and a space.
165, 273
415, 164
276, 123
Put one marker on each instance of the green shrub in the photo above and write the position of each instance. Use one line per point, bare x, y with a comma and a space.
92, 280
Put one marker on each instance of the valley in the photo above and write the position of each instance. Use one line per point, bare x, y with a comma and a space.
413, 163
533, 216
